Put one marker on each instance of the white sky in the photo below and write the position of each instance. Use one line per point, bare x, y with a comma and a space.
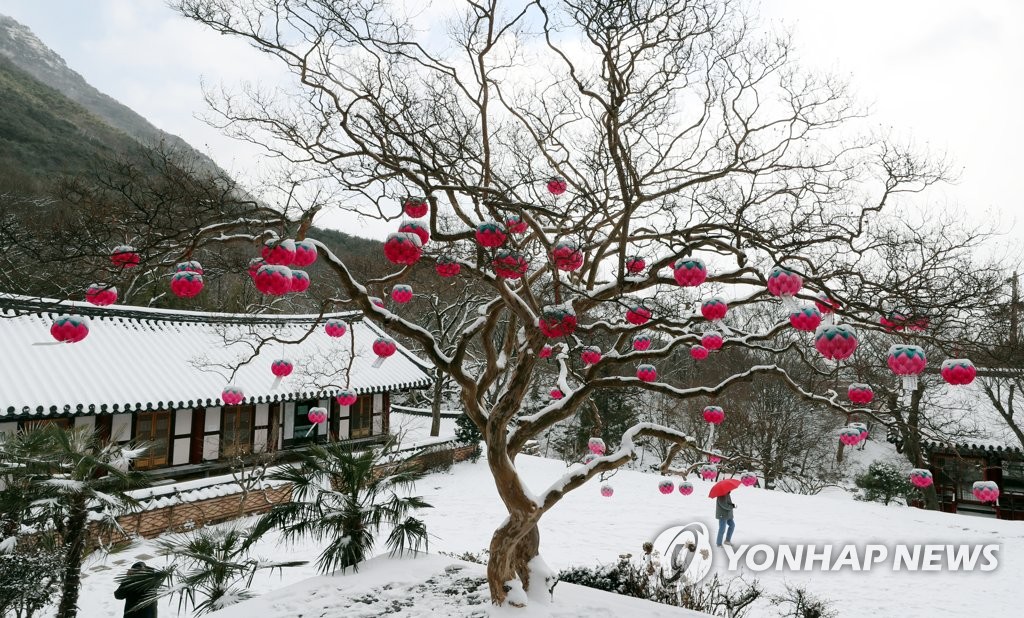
947, 73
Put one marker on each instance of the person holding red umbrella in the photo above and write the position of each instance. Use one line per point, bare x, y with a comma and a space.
722, 490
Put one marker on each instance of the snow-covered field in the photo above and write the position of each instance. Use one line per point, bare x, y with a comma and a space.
586, 528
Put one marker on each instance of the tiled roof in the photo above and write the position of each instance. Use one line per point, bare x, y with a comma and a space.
138, 359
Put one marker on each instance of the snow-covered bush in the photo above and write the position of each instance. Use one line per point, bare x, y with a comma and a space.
28, 579
883, 482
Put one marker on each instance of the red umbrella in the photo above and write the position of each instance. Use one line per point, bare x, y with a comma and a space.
723, 487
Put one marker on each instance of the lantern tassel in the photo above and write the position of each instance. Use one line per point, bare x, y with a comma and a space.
277, 382
909, 384
790, 304
377, 363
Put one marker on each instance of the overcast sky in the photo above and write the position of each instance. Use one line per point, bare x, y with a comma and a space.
948, 73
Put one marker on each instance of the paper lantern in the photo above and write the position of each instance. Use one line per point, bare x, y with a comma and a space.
335, 327
305, 253
510, 264
714, 309
545, 351
69, 328
646, 373
860, 394
274, 279
607, 491
346, 397
317, 415
894, 322
708, 472
667, 487
254, 267
447, 267
784, 283
402, 248
958, 371
689, 272
921, 478
589, 457
401, 293
849, 436
686, 488
825, 304
384, 347
714, 415
591, 355
125, 256
714, 456
232, 395
907, 361
638, 314
635, 264
557, 185
806, 319
300, 281
415, 207
748, 479
862, 428
918, 323
985, 491
557, 321
281, 368
101, 294
186, 284
712, 340
556, 393
417, 228
566, 255
190, 266
490, 234
836, 341
596, 446
515, 224
698, 352
279, 252
642, 343
376, 301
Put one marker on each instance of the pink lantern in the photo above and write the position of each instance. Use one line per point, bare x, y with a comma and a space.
556, 393
317, 415
557, 321
384, 347
862, 428
101, 294
590, 355
985, 491
335, 327
698, 352
490, 234
667, 487
714, 309
545, 351
417, 228
190, 266
715, 456
186, 284
305, 253
515, 224
712, 340
402, 248
686, 488
893, 322
918, 323
567, 255
557, 186
635, 265
69, 328
346, 397
646, 373
748, 479
589, 457
825, 304
596, 446
510, 264
274, 279
860, 394
689, 272
836, 341
447, 267
281, 368
401, 293
958, 371
279, 252
415, 207
125, 256
708, 472
642, 343
376, 301
232, 395
714, 415
907, 361
806, 319
637, 314
849, 436
921, 478
607, 491
300, 281
784, 283
254, 267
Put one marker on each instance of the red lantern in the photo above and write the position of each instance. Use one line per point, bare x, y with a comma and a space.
635, 264
642, 343
401, 294
667, 487
893, 322
591, 355
698, 352
376, 301
715, 456
646, 373
300, 281
402, 248
556, 393
907, 361
825, 304
686, 488
69, 328
125, 256
191, 266
346, 397
186, 284
985, 491
510, 264
958, 371
714, 415
557, 321
317, 415
417, 228
305, 253
850, 436
490, 234
596, 446
607, 490
784, 283
232, 395
708, 472
638, 314
689, 272
384, 347
806, 319
515, 224
714, 309
415, 207
860, 394
557, 186
921, 478
918, 323
567, 255
712, 340
836, 341
281, 368
279, 252
447, 267
335, 327
545, 351
101, 294
274, 279
748, 479
254, 267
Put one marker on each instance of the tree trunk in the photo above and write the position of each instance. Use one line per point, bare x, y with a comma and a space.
435, 406
74, 543
513, 546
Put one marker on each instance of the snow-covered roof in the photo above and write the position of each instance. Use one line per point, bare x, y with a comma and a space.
137, 359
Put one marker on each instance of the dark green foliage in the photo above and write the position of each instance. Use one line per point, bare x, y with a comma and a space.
466, 430
883, 482
28, 578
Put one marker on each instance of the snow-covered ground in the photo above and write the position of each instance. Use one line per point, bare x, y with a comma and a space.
415, 428
585, 529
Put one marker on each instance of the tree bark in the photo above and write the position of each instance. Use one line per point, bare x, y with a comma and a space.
74, 550
435, 406
513, 545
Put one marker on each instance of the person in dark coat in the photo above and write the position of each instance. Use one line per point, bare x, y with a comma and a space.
134, 590
723, 512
